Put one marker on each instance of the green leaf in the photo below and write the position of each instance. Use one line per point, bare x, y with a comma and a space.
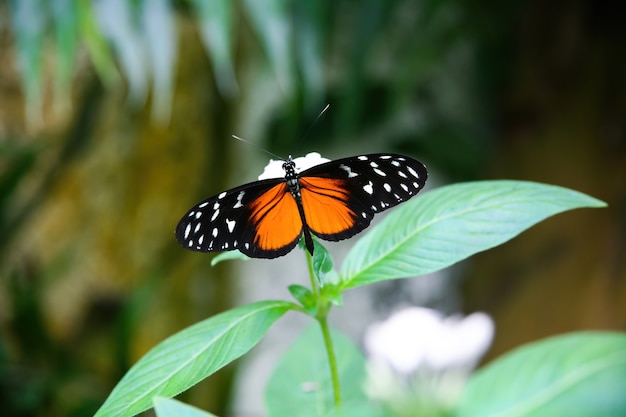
305, 297
323, 265
98, 48
166, 407
191, 355
229, 256
301, 384
449, 224
334, 294
575, 375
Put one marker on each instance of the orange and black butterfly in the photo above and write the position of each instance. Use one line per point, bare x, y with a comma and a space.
334, 201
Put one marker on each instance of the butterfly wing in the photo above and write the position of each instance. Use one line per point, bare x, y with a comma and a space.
259, 219
341, 197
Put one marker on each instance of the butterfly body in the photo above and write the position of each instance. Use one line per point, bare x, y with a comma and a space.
334, 201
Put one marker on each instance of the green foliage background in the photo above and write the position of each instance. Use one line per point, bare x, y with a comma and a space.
116, 116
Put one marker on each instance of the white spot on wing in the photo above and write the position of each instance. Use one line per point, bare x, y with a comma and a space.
387, 187
395, 163
379, 172
216, 205
215, 214
215, 231
239, 198
413, 172
203, 205
197, 228
402, 174
368, 188
187, 230
373, 164
222, 195
404, 187
362, 158
200, 239
198, 214
351, 174
231, 225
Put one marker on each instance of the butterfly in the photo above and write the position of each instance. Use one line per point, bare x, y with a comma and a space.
334, 200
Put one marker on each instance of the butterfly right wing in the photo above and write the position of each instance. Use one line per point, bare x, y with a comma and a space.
260, 219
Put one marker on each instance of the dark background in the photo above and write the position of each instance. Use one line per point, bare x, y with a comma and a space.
102, 150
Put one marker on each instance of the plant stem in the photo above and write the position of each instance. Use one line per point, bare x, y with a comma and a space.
332, 361
323, 308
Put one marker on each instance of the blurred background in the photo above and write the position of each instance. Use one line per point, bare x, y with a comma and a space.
116, 116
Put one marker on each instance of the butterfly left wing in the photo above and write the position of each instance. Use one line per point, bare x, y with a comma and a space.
260, 219
341, 197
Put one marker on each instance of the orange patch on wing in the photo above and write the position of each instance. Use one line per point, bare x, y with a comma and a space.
276, 218
325, 204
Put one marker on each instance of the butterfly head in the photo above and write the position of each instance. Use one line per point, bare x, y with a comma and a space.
289, 166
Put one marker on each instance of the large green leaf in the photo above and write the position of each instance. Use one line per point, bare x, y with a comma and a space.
301, 383
191, 355
447, 225
574, 375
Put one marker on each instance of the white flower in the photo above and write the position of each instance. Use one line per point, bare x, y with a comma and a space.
420, 337
274, 169
419, 360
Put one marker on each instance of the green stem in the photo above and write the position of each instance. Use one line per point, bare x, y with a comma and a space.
332, 361
323, 308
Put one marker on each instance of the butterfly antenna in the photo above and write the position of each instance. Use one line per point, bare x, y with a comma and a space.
259, 147
315, 121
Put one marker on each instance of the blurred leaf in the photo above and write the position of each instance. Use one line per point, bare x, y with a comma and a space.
305, 297
270, 19
302, 387
66, 31
98, 48
311, 26
166, 407
575, 375
161, 40
28, 25
17, 163
216, 24
117, 23
371, 16
366, 410
191, 355
451, 223
229, 256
